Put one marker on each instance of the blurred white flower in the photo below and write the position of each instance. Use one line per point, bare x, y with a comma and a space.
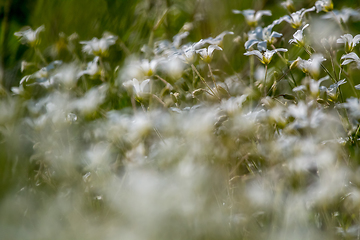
93, 69
312, 85
67, 75
138, 87
189, 54
295, 18
262, 37
343, 15
179, 37
43, 76
324, 5
353, 105
298, 37
289, 5
174, 67
349, 58
29, 36
98, 156
311, 66
349, 41
206, 54
148, 67
252, 17
265, 57
233, 105
99, 47
218, 40
91, 100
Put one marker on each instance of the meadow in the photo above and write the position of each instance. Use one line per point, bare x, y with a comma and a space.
170, 119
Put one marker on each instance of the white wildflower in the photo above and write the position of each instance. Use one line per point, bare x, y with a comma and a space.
349, 41
148, 67
179, 37
289, 5
324, 5
298, 37
353, 105
295, 18
93, 69
262, 37
349, 58
91, 100
139, 88
343, 15
252, 17
265, 57
218, 40
29, 36
311, 66
99, 47
206, 54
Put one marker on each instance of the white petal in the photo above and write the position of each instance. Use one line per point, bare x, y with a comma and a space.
254, 52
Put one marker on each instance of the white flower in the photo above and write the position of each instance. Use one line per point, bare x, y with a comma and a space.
312, 85
178, 38
99, 47
189, 54
342, 15
218, 40
67, 75
354, 107
29, 36
266, 56
138, 87
311, 66
262, 36
289, 5
148, 67
174, 67
206, 54
91, 100
93, 69
295, 19
298, 37
349, 58
251, 16
42, 76
349, 41
324, 5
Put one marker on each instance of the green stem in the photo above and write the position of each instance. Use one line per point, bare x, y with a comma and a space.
322, 66
203, 80
213, 78
266, 69
38, 52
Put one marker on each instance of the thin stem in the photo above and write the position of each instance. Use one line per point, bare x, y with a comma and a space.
350, 81
266, 69
103, 72
156, 26
38, 52
322, 65
213, 78
166, 82
159, 100
338, 21
203, 80
252, 63
227, 61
